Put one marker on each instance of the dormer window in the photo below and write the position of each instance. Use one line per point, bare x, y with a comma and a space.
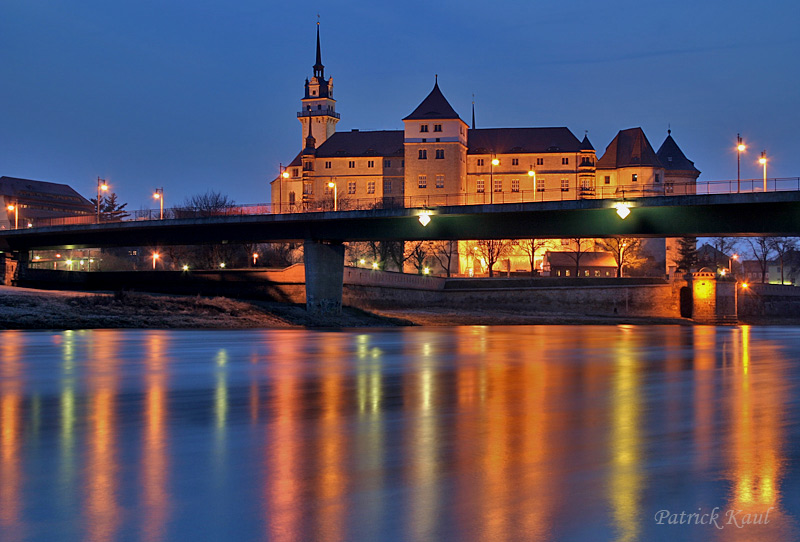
437, 127
423, 128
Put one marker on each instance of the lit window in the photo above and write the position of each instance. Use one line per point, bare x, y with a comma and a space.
440, 181
480, 186
515, 161
371, 187
422, 181
439, 154
437, 127
423, 154
351, 187
423, 128
515, 185
308, 189
669, 188
566, 273
634, 177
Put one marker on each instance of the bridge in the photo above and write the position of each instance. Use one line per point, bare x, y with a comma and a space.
738, 214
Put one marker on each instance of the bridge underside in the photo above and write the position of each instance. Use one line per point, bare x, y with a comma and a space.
759, 214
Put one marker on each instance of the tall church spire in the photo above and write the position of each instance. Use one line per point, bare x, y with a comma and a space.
319, 69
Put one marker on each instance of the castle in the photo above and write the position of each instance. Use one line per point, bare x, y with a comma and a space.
438, 159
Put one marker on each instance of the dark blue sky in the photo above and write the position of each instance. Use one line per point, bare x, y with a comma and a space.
202, 95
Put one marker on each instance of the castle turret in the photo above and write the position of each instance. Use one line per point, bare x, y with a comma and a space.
318, 105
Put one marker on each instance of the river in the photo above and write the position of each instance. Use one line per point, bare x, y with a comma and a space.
470, 433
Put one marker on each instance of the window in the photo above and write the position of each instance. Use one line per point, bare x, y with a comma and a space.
437, 127
351, 187
308, 166
437, 139
596, 272
540, 184
295, 172
586, 273
402, 163
498, 185
351, 164
371, 187
480, 161
423, 154
424, 140
422, 181
565, 161
292, 198
440, 181
634, 177
607, 179
565, 185
669, 188
308, 189
515, 161
540, 161
327, 165
319, 108
387, 187
515, 185
566, 273
658, 177
387, 163
439, 154
480, 186
423, 128
370, 163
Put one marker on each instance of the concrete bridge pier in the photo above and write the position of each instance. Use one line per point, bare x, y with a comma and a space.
324, 263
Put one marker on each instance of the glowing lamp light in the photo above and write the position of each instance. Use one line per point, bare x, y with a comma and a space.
426, 271
331, 184
531, 173
185, 267
362, 261
104, 187
222, 265
741, 147
762, 160
745, 285
37, 257
623, 210
285, 174
11, 207
722, 272
495, 162
58, 255
374, 265
425, 218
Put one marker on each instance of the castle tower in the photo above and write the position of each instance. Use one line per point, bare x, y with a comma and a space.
435, 142
318, 105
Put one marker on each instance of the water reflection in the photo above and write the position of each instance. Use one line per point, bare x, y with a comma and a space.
471, 433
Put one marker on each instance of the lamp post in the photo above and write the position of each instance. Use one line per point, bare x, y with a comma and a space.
532, 173
763, 162
734, 257
101, 186
255, 258
15, 208
740, 147
335, 195
495, 162
159, 195
155, 258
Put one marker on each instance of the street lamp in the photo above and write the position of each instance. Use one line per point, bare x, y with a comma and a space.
15, 208
740, 147
155, 257
763, 162
532, 173
335, 195
495, 162
734, 257
101, 186
159, 195
255, 257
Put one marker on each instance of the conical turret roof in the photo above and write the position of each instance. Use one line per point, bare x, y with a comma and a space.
434, 106
672, 156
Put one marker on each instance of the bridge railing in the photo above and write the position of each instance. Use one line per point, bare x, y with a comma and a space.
542, 193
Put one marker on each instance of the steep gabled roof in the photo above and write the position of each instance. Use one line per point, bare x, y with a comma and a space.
522, 140
586, 145
673, 158
355, 143
435, 106
630, 148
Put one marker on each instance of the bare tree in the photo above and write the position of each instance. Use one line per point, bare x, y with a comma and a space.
579, 246
417, 253
782, 247
444, 252
209, 204
724, 246
625, 250
492, 250
530, 247
761, 249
